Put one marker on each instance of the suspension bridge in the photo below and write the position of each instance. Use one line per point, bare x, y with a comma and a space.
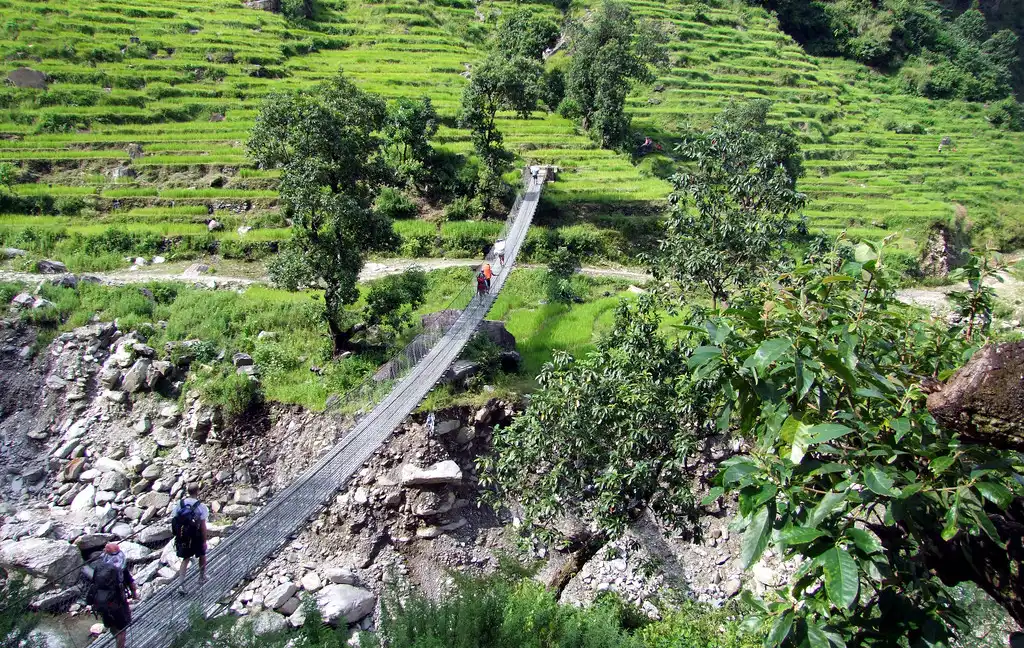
162, 617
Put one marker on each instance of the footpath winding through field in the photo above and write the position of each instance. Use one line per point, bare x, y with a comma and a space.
160, 619
371, 271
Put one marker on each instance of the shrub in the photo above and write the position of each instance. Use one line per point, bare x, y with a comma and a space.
464, 208
392, 203
69, 205
1008, 114
221, 386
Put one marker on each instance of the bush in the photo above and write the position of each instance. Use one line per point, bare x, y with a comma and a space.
1008, 114
221, 386
464, 208
69, 205
563, 265
392, 203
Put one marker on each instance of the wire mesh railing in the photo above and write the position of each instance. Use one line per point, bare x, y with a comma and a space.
371, 414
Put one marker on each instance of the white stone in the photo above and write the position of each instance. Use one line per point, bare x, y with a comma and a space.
85, 499
345, 602
106, 464
311, 582
342, 576
49, 559
153, 499
246, 495
267, 622
444, 472
135, 552
279, 595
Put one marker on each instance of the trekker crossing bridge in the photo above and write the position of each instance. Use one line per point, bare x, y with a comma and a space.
164, 616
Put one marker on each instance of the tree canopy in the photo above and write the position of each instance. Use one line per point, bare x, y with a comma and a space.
609, 51
732, 201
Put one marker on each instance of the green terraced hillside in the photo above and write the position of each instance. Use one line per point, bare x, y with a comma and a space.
183, 80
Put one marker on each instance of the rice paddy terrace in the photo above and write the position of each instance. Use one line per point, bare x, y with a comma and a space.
148, 104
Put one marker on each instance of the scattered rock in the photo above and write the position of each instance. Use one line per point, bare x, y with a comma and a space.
279, 595
268, 622
311, 582
342, 576
345, 602
241, 360
47, 266
444, 472
246, 496
24, 77
49, 559
154, 499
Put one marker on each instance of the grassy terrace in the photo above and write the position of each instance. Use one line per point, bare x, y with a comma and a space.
184, 81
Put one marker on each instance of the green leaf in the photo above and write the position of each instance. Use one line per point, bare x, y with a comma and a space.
703, 354
841, 581
712, 496
837, 366
824, 432
769, 352
799, 535
829, 502
836, 278
755, 539
949, 530
996, 493
737, 470
941, 464
865, 540
878, 481
753, 602
780, 630
816, 636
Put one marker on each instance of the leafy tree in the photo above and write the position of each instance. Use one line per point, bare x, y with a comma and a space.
8, 175
408, 126
609, 52
974, 306
848, 474
392, 299
561, 269
324, 142
731, 209
522, 33
627, 390
498, 83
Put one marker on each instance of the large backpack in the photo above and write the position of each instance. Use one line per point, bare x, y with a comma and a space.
186, 521
106, 590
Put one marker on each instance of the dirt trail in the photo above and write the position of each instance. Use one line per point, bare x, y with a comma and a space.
372, 270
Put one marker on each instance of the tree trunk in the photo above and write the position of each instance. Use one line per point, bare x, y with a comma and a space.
984, 400
341, 339
586, 549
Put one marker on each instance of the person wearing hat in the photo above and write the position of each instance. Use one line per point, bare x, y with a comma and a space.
112, 584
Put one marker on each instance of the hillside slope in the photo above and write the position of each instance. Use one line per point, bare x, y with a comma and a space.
183, 81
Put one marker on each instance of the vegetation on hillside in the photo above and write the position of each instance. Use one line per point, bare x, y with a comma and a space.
941, 58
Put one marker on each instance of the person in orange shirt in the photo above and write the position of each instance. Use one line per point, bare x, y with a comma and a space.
488, 274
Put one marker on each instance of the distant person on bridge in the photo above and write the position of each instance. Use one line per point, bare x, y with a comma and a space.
488, 274
189, 528
499, 249
111, 585
481, 284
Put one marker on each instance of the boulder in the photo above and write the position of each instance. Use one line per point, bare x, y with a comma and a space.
10, 253
214, 225
494, 330
427, 503
246, 495
342, 576
106, 464
109, 377
346, 603
311, 582
444, 427
279, 595
444, 472
49, 559
137, 378
290, 606
24, 77
73, 471
153, 535
48, 266
135, 552
242, 360
153, 499
268, 622
430, 532
237, 510
93, 541
112, 481
460, 371
23, 300
85, 499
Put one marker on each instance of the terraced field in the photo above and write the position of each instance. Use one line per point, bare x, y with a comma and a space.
183, 81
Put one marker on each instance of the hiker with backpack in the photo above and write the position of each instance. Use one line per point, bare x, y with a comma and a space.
481, 284
189, 528
111, 585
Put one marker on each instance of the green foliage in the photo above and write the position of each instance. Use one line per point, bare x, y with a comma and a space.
627, 389
324, 142
522, 33
743, 189
299, 9
408, 126
1007, 113
221, 386
820, 370
392, 204
392, 299
609, 51
561, 269
974, 306
463, 208
16, 621
8, 175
